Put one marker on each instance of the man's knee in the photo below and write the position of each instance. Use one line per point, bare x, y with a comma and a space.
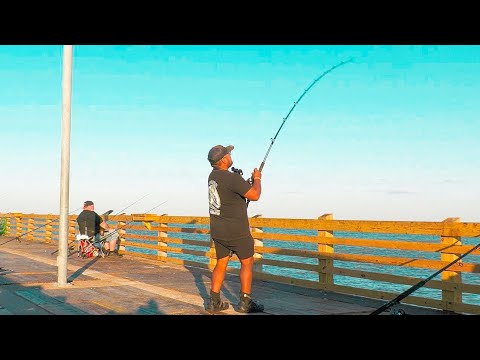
247, 261
223, 262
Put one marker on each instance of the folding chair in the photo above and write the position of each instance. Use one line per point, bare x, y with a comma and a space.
88, 246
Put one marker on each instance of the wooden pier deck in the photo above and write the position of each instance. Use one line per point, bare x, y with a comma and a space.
132, 286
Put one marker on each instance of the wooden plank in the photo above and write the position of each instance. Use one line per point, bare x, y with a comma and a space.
374, 294
172, 229
465, 308
142, 255
152, 246
110, 306
194, 220
402, 245
290, 264
140, 237
300, 224
287, 280
290, 237
462, 229
397, 227
181, 230
144, 217
134, 227
383, 260
391, 227
170, 240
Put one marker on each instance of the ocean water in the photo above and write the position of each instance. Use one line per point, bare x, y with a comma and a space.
421, 274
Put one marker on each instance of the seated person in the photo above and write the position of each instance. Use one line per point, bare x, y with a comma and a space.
91, 224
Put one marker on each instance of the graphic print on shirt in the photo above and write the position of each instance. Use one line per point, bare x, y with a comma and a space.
213, 198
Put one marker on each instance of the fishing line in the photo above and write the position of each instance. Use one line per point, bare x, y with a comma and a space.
116, 230
130, 205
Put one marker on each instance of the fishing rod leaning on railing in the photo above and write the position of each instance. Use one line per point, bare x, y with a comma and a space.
120, 228
239, 171
38, 227
105, 218
123, 227
421, 283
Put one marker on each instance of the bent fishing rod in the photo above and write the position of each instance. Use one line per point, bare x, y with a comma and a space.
420, 283
105, 217
286, 117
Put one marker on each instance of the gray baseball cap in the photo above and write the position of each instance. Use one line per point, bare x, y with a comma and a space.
217, 152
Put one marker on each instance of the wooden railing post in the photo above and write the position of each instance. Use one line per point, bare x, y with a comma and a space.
162, 254
48, 228
121, 240
7, 221
30, 227
18, 224
325, 278
257, 257
451, 297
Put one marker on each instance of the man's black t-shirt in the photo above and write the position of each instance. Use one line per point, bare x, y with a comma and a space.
228, 207
89, 222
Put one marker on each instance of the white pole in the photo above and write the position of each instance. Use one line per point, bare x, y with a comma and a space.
65, 169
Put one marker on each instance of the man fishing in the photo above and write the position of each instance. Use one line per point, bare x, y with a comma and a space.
229, 195
229, 227
91, 224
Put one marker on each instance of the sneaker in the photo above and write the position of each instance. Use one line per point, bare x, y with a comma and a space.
115, 253
247, 305
216, 306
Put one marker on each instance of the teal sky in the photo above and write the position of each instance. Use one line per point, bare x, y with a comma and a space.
393, 135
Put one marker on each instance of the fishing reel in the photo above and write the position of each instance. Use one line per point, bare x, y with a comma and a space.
397, 310
238, 171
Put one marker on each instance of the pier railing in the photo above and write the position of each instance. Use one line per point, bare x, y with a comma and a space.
373, 259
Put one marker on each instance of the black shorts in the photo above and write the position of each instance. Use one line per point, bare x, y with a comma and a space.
243, 247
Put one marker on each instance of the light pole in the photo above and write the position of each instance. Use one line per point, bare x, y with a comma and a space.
65, 166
